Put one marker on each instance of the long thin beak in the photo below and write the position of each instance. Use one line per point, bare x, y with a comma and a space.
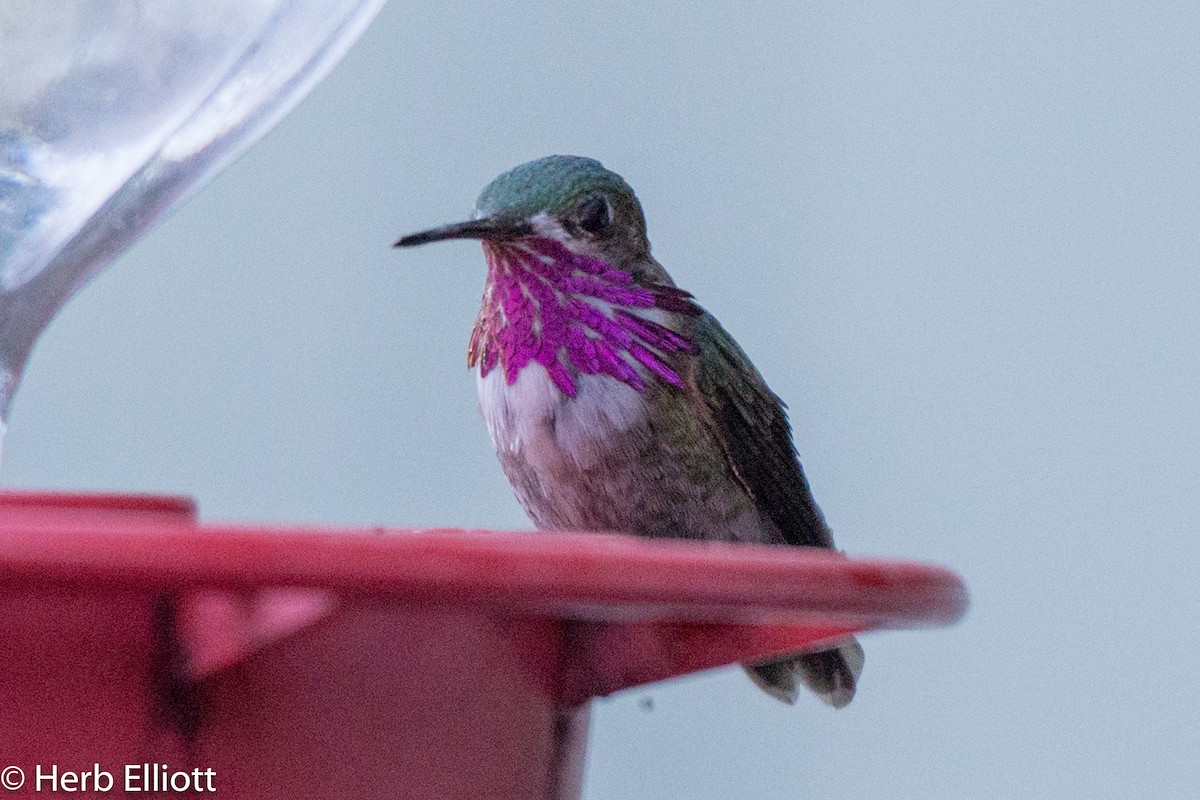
490, 228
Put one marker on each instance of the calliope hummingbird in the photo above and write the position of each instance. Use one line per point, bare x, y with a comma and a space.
615, 402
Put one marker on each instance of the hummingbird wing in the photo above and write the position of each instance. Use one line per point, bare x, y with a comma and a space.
752, 426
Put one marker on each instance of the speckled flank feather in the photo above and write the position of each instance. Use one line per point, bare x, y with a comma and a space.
615, 403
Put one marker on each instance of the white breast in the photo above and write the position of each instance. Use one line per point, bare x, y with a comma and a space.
535, 421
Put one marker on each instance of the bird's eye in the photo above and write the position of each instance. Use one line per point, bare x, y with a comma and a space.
595, 214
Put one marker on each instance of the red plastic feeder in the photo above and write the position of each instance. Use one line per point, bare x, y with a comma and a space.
376, 663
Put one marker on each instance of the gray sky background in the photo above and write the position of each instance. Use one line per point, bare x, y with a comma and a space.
961, 240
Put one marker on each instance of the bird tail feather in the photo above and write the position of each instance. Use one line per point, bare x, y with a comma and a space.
831, 675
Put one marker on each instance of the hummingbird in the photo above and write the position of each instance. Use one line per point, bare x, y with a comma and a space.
615, 402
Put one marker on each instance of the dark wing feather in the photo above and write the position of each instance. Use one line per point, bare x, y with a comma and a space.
752, 425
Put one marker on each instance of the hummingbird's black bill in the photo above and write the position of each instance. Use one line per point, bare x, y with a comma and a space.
490, 228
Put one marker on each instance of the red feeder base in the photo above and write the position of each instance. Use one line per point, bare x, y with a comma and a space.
367, 663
